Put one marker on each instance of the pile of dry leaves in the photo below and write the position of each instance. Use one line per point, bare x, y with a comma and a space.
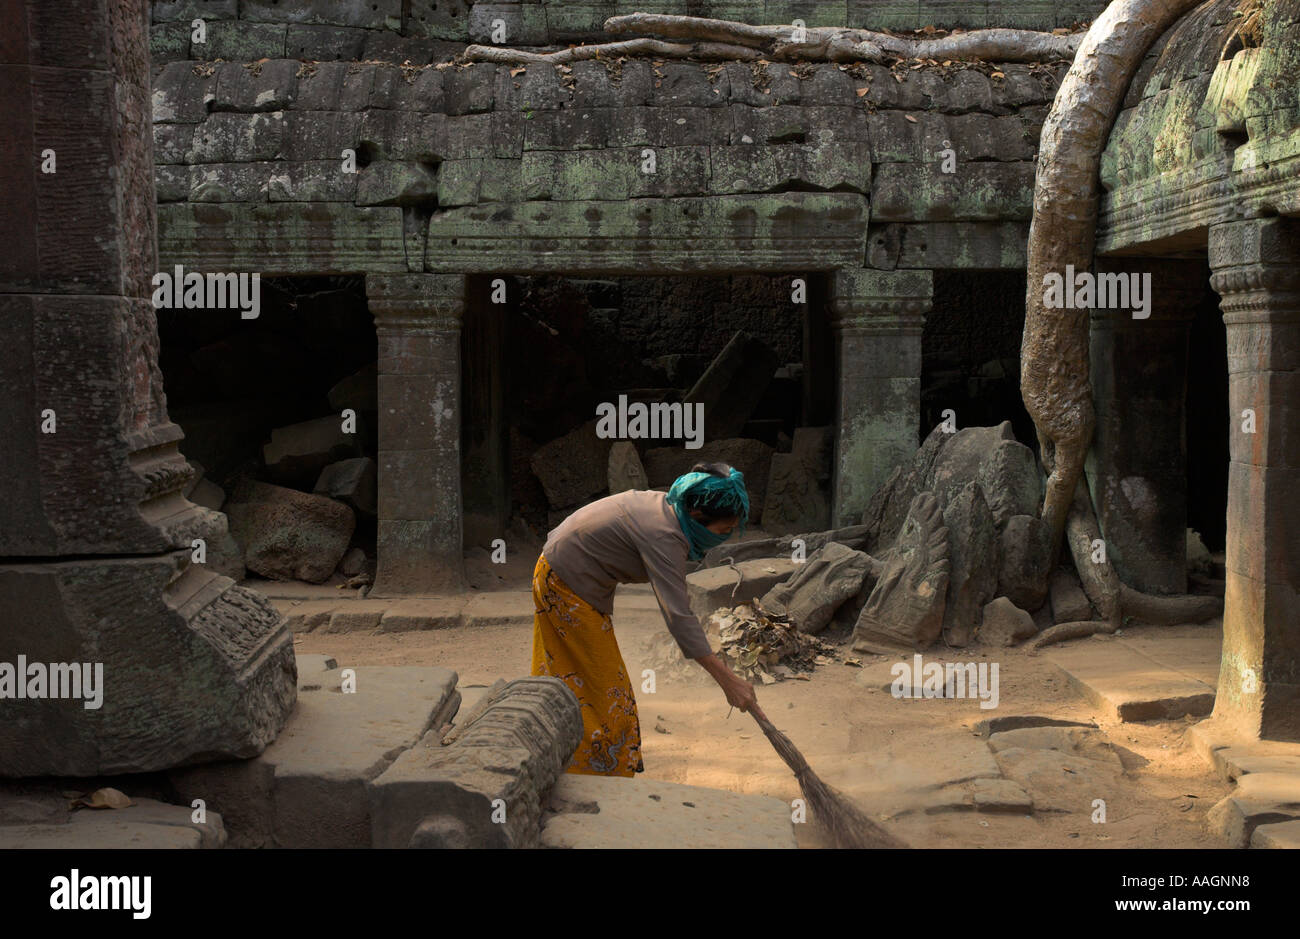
764, 645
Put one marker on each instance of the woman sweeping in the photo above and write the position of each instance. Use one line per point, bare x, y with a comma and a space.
634, 537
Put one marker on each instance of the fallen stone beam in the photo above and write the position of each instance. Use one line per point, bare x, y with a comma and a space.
486, 790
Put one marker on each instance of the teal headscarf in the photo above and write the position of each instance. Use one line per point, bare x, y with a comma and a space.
720, 494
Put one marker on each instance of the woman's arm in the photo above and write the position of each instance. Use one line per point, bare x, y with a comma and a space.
739, 692
668, 580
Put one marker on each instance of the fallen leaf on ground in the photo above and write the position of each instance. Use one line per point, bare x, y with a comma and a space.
106, 798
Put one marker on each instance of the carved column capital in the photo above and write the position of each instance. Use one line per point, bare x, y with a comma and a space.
416, 303
881, 302
1255, 268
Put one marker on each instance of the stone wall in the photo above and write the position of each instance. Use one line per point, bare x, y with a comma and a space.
495, 170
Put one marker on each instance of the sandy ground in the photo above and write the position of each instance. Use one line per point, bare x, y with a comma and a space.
889, 754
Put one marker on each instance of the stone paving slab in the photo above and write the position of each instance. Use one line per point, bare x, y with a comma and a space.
997, 725
1197, 656
310, 664
617, 812
146, 824
1147, 679
976, 795
499, 608
1277, 835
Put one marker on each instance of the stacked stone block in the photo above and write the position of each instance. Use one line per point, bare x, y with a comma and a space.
669, 166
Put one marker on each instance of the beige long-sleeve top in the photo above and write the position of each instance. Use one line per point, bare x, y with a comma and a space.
629, 538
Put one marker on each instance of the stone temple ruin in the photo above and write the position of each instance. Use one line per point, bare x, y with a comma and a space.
459, 261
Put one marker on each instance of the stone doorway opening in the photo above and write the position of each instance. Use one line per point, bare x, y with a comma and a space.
1208, 425
287, 399
970, 352
574, 344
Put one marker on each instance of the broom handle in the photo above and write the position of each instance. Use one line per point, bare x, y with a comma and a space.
793, 759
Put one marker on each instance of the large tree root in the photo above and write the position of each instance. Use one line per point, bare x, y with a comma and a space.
1054, 379
1113, 599
1100, 582
1076, 630
1168, 611
724, 40
863, 45
700, 51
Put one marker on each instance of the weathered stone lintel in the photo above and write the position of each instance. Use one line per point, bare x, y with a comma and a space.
1185, 203
791, 231
285, 238
436, 796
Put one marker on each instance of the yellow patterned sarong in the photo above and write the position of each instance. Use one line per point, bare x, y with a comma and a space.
574, 642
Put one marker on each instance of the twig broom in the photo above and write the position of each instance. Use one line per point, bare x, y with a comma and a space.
848, 827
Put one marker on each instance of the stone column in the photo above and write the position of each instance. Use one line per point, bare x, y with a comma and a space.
878, 317
96, 571
420, 543
1137, 467
1256, 272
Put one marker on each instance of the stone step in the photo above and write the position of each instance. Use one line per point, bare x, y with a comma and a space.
345, 613
1260, 800
1142, 681
620, 812
1222, 744
308, 788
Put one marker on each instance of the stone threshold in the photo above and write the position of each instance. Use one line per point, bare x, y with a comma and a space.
1144, 676
311, 608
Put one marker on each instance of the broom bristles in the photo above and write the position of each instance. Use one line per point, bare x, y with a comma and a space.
844, 822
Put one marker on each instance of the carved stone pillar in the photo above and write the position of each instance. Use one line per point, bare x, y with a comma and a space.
1256, 272
1137, 467
878, 317
96, 575
420, 542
